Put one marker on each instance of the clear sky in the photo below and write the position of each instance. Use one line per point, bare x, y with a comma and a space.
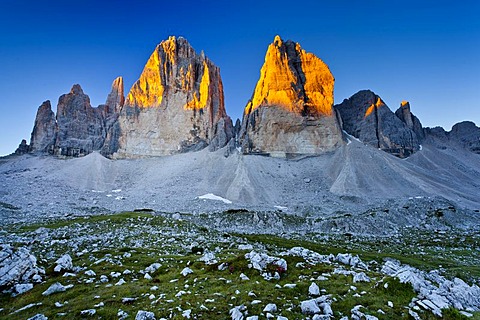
427, 52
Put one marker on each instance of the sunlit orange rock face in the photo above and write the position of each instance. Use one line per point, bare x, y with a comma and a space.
291, 110
176, 105
293, 79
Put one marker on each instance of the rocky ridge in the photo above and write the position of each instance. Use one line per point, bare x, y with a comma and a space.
177, 105
366, 117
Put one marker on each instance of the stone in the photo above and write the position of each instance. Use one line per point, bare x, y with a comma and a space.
271, 307
63, 263
177, 105
326, 308
436, 291
291, 109
38, 316
361, 277
186, 271
22, 288
310, 307
314, 290
366, 117
145, 315
88, 312
56, 287
17, 266
236, 312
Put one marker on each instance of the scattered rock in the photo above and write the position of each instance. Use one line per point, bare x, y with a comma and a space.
361, 277
310, 307
314, 290
22, 288
186, 271
145, 315
271, 307
56, 287
88, 312
38, 316
63, 263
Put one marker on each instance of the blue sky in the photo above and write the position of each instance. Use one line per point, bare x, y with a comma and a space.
427, 52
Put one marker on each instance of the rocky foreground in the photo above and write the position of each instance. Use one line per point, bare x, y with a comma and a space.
162, 266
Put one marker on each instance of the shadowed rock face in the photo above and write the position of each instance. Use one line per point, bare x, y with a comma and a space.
412, 122
290, 111
177, 105
110, 112
44, 130
81, 128
467, 134
366, 117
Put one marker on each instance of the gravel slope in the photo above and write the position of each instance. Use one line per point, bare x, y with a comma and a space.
354, 178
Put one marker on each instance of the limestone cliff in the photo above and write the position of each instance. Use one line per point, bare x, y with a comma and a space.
366, 117
290, 111
44, 130
81, 127
110, 112
176, 105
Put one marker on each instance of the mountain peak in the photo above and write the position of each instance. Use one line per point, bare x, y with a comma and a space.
293, 79
291, 109
76, 89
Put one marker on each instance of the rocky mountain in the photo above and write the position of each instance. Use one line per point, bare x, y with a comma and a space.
467, 134
291, 109
464, 134
366, 117
177, 105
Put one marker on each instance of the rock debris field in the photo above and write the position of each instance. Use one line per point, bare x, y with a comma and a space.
144, 266
201, 235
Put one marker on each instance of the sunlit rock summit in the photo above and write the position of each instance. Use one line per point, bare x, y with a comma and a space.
177, 105
291, 110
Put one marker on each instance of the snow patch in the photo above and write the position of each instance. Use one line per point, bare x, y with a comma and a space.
211, 196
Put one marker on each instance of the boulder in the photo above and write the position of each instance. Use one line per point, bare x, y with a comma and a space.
291, 111
176, 105
17, 266
366, 117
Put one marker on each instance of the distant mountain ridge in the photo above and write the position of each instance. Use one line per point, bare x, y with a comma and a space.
177, 105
